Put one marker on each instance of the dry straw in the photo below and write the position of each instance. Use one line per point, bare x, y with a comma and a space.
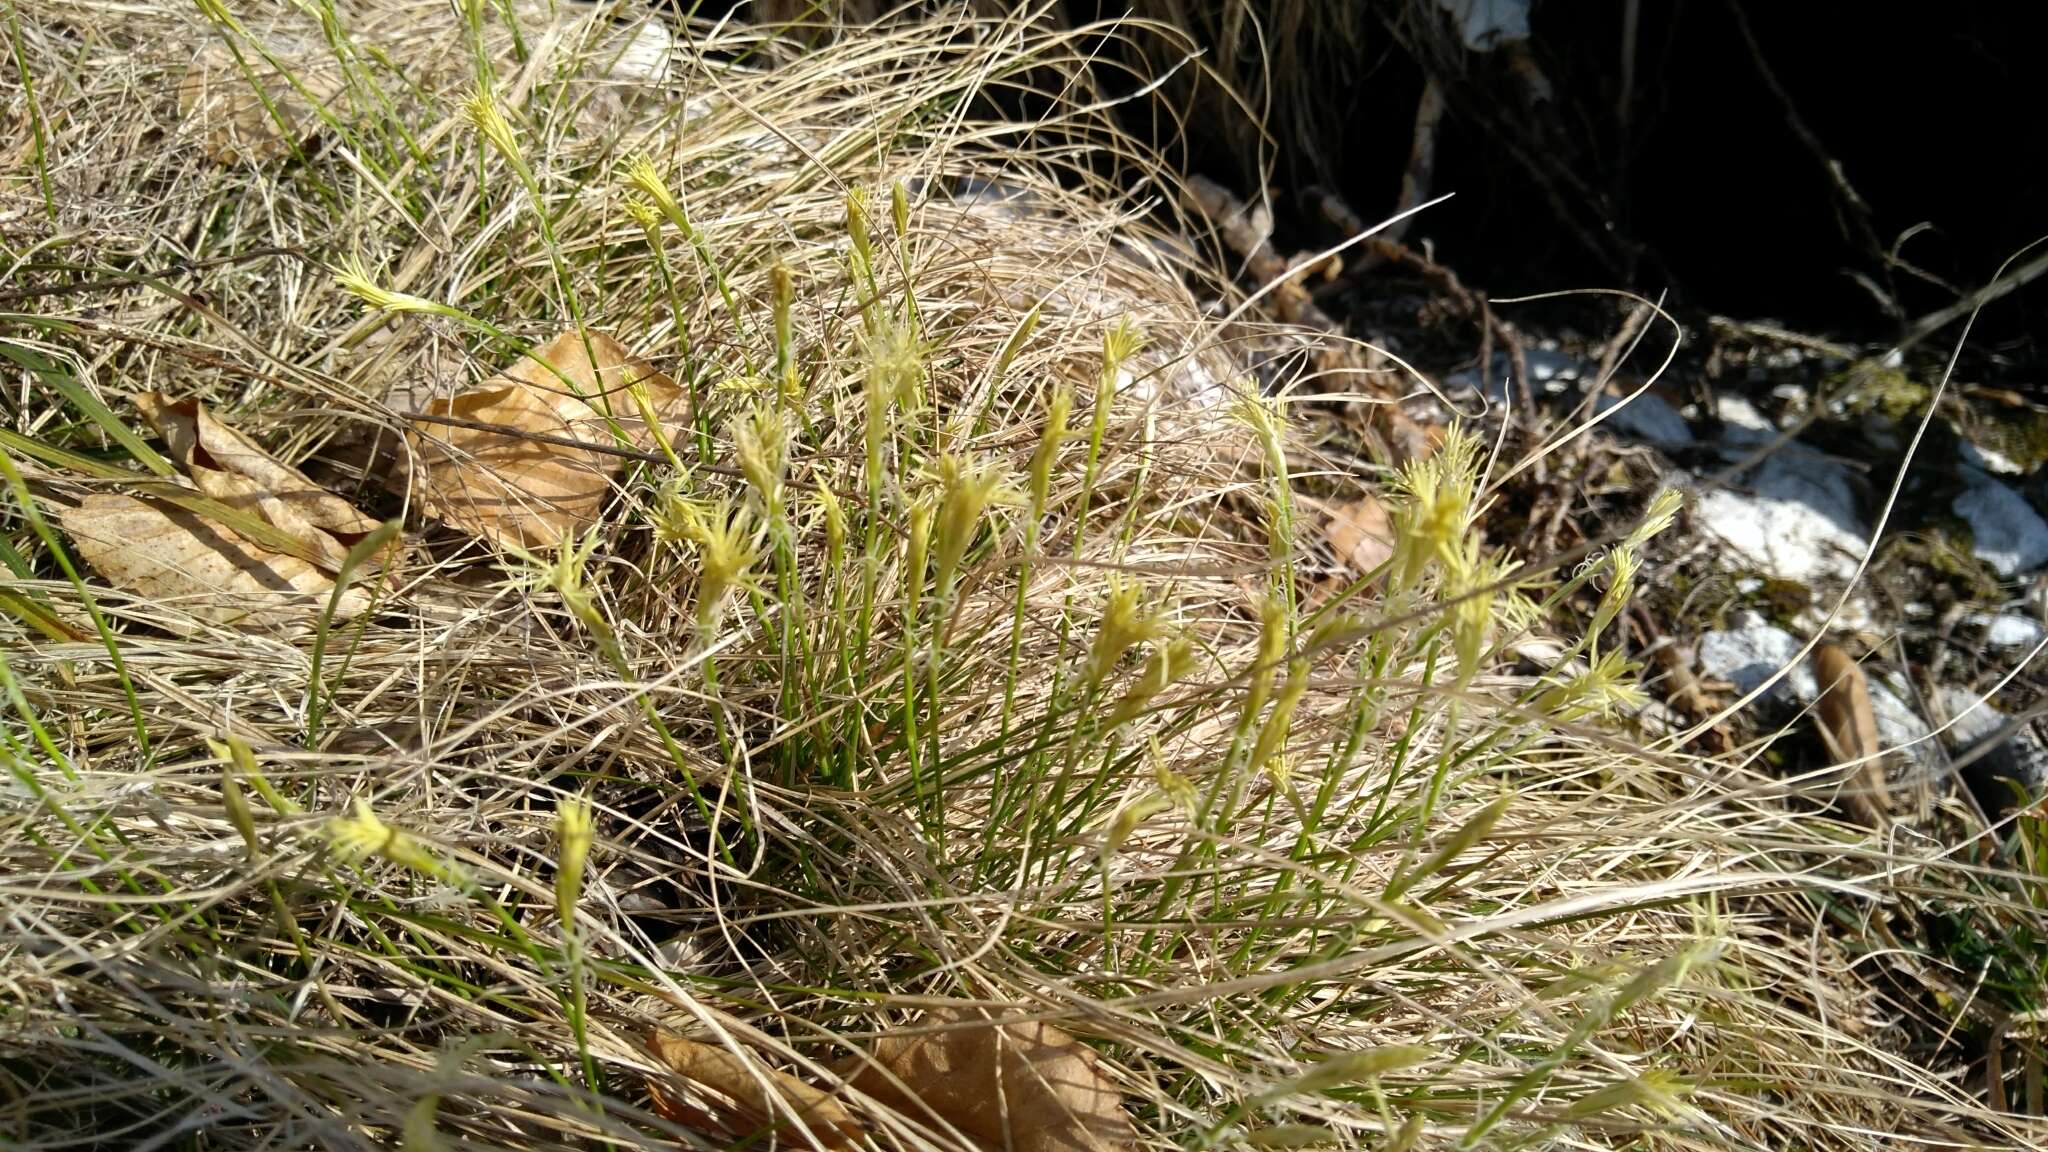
826, 715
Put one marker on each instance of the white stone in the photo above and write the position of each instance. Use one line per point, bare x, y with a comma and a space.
1796, 521
1990, 460
1751, 653
1898, 726
1741, 424
2021, 759
2009, 629
648, 57
2006, 532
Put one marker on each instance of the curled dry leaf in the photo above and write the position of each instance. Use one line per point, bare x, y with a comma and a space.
1849, 728
232, 469
222, 98
504, 473
1026, 1087
198, 568
746, 1092
1361, 534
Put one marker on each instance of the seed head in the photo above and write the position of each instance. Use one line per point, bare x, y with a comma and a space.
1126, 623
361, 835
354, 278
761, 440
723, 536
643, 177
1167, 665
483, 114
565, 572
967, 489
576, 829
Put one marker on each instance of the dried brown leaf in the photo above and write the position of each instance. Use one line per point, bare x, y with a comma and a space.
198, 568
1025, 1087
231, 468
218, 96
1849, 728
758, 1096
511, 487
1361, 534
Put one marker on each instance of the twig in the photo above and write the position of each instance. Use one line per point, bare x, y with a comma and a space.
1421, 170
2005, 285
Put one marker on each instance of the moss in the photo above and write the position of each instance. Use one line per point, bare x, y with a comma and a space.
1871, 387
2018, 434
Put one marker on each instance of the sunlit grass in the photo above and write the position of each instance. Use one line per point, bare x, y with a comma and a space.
969, 641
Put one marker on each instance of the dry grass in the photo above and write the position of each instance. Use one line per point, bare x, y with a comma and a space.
860, 783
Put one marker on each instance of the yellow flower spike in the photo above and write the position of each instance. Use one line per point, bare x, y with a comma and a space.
967, 489
1018, 339
1268, 421
355, 279
1657, 1091
835, 524
1604, 689
1657, 517
1119, 344
723, 536
1177, 787
565, 572
362, 835
643, 177
575, 828
761, 441
899, 207
1127, 818
895, 366
483, 114
857, 229
1434, 510
1166, 666
916, 554
645, 215
1273, 735
1126, 623
1623, 563
1059, 406
1272, 646
1471, 602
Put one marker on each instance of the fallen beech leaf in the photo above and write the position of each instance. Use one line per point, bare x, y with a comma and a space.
187, 563
218, 95
232, 469
1027, 1087
514, 489
747, 1092
1849, 729
1361, 534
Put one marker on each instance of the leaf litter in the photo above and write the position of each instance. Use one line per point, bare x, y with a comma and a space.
179, 559
505, 473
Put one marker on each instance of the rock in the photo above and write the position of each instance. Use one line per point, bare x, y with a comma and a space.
1647, 417
2009, 771
1899, 727
647, 56
1751, 653
2009, 629
1796, 521
1989, 459
2006, 532
1741, 424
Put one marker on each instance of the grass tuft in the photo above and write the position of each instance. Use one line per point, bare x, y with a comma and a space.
964, 644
